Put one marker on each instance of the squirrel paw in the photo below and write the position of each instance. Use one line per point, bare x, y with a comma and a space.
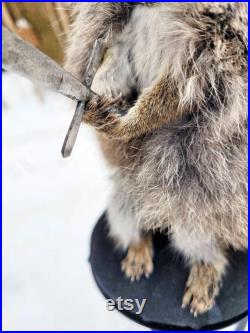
139, 261
201, 289
104, 113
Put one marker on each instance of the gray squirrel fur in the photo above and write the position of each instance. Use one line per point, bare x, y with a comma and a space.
178, 149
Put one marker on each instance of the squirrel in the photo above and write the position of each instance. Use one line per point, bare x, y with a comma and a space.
171, 116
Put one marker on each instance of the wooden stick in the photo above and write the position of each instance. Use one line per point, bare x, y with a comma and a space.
63, 17
15, 10
7, 19
54, 21
26, 32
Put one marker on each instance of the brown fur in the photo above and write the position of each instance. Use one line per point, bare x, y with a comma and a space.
139, 259
201, 289
147, 115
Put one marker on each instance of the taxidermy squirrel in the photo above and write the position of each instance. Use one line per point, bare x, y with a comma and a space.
172, 121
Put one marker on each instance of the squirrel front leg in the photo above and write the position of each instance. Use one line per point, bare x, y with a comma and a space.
157, 105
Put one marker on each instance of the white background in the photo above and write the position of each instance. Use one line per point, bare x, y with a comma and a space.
50, 207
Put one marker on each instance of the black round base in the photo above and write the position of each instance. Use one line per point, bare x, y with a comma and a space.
164, 288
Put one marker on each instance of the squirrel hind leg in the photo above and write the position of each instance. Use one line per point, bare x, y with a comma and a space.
202, 287
139, 259
124, 230
207, 260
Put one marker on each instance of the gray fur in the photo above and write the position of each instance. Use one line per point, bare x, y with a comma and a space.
190, 176
122, 219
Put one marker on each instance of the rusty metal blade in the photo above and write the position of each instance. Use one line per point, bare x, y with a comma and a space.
94, 63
